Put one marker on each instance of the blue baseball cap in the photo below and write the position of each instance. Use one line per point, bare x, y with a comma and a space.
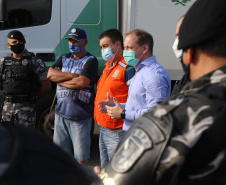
77, 34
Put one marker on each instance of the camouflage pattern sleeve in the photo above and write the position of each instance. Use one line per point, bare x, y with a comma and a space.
39, 68
191, 119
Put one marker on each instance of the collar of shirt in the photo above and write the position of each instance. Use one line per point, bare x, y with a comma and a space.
109, 64
26, 53
147, 62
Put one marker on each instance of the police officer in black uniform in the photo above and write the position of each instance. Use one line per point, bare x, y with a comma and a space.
23, 77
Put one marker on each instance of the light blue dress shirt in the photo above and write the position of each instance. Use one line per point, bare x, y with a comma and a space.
150, 84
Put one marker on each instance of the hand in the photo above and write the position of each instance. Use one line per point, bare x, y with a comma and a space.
115, 112
97, 170
57, 68
102, 104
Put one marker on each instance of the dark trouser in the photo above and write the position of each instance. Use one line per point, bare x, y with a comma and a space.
19, 113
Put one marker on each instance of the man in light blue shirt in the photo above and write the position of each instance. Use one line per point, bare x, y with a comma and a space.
150, 84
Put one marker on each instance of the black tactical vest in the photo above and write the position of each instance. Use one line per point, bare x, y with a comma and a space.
16, 76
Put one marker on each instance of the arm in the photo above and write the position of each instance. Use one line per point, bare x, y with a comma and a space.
39, 69
56, 75
44, 88
114, 111
188, 128
80, 82
156, 88
212, 142
88, 75
102, 104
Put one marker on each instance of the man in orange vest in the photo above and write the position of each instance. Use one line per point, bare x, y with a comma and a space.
115, 79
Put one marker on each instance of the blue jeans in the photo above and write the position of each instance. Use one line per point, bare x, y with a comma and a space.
108, 141
73, 136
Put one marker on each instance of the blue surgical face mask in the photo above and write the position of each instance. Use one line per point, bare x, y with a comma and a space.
130, 58
107, 54
76, 49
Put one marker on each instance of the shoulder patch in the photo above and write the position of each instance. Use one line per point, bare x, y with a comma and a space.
116, 73
122, 64
24, 62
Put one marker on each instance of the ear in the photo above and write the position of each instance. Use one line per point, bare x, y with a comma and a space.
118, 44
8, 45
85, 42
146, 48
189, 56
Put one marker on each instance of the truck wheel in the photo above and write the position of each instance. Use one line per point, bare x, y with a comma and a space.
45, 121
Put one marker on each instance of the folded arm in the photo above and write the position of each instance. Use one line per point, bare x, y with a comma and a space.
79, 82
56, 75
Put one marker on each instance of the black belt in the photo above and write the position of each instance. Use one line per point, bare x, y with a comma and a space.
19, 99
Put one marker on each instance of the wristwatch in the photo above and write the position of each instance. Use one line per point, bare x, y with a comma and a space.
123, 114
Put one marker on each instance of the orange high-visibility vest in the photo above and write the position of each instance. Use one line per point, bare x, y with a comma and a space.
112, 81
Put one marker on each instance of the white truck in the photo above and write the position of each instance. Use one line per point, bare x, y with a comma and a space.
45, 23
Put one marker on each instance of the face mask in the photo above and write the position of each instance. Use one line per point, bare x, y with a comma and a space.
130, 58
177, 52
76, 49
107, 54
17, 48
186, 69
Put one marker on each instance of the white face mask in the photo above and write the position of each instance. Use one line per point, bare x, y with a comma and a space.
177, 52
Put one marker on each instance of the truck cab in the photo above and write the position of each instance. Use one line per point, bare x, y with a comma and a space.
45, 24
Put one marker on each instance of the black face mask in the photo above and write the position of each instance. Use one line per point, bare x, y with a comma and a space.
186, 69
17, 48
